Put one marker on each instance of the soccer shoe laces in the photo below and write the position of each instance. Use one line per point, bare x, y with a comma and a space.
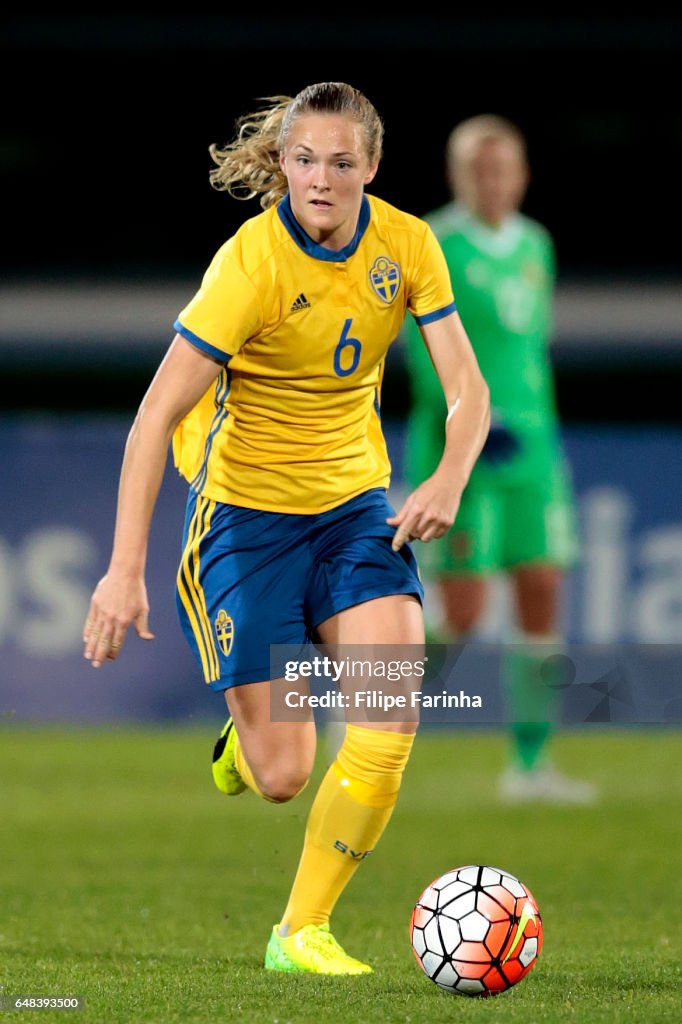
321, 944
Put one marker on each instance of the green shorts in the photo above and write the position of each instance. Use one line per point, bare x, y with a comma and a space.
500, 525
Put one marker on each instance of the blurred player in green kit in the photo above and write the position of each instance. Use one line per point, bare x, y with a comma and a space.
517, 512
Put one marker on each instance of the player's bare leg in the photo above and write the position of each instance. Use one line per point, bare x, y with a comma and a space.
273, 758
537, 591
375, 622
463, 598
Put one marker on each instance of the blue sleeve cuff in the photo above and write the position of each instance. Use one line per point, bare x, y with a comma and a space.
199, 343
438, 314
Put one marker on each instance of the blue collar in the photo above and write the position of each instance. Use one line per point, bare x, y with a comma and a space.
305, 242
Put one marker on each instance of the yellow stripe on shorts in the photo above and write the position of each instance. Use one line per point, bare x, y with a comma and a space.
191, 592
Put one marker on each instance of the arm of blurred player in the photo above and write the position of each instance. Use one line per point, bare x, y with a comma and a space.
120, 597
430, 510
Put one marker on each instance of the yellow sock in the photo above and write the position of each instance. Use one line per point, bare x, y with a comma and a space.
350, 811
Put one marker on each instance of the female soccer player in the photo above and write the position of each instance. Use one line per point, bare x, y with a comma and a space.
517, 514
270, 393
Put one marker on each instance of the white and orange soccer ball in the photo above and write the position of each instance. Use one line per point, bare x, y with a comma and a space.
476, 930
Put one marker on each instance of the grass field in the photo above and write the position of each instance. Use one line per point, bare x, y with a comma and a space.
129, 880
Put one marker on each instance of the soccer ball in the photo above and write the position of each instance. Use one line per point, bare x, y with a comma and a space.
476, 930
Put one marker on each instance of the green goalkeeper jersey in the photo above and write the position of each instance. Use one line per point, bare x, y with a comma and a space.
503, 282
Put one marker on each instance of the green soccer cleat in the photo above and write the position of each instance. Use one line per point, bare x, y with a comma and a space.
310, 950
225, 774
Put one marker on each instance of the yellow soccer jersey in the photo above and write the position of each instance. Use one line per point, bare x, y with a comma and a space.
292, 423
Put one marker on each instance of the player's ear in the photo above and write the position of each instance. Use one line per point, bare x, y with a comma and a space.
373, 168
282, 163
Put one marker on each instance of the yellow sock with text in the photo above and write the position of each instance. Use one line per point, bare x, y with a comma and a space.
350, 812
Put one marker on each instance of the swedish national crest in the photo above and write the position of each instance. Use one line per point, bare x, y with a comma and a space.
224, 631
385, 277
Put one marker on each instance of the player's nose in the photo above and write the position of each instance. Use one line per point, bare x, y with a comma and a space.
320, 180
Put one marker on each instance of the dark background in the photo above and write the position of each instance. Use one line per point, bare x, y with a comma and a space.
107, 121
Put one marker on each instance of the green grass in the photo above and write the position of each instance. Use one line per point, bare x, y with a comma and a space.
128, 879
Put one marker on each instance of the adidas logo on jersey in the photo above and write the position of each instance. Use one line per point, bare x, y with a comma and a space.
300, 303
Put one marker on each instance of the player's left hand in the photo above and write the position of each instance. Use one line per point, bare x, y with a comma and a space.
428, 512
119, 600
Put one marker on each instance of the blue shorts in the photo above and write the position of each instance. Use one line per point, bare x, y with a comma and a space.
249, 579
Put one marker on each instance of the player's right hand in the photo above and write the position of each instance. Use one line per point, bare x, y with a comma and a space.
116, 602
